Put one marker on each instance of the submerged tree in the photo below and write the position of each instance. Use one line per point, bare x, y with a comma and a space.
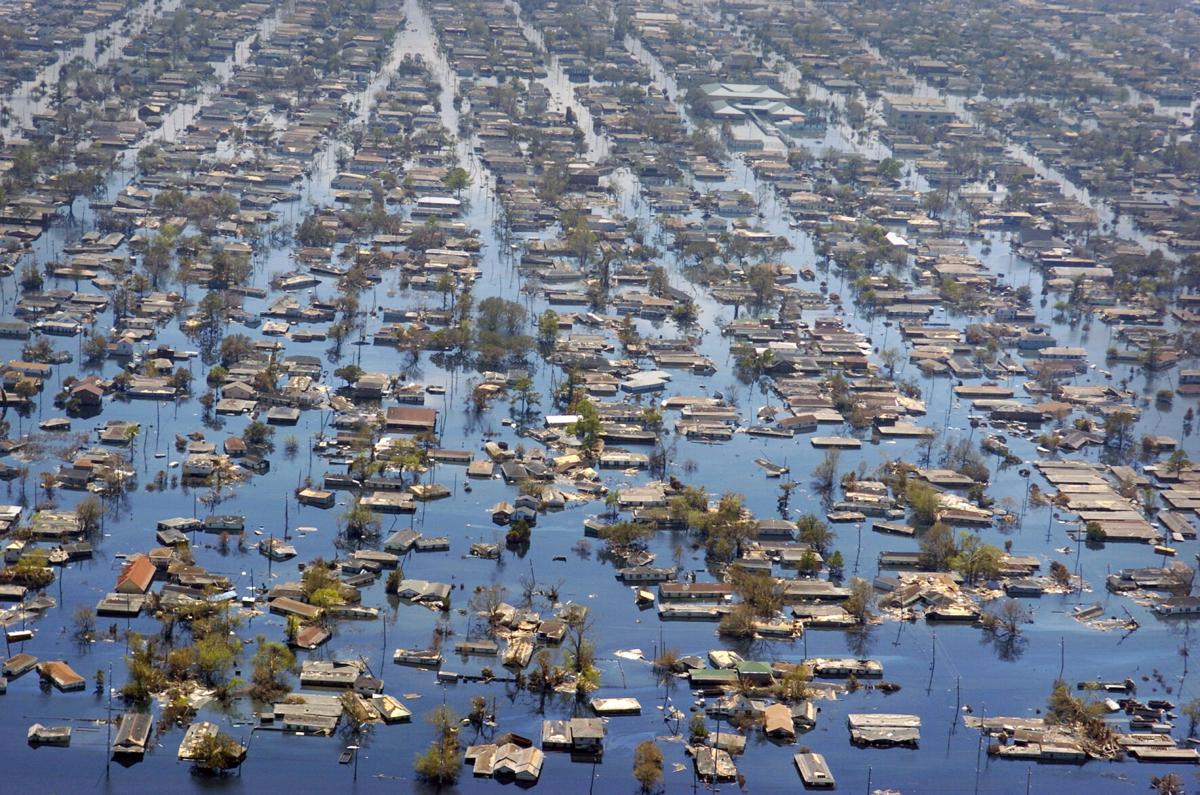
440, 763
648, 765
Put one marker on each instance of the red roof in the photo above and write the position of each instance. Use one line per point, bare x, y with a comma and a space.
136, 576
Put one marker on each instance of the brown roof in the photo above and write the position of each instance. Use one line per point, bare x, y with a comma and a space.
412, 416
777, 719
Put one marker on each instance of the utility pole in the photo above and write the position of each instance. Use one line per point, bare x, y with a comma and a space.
108, 725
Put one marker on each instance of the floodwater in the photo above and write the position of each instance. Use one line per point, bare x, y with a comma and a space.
943, 671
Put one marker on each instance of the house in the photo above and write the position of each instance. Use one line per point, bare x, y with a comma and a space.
238, 390
884, 730
522, 764
905, 111
556, 735
311, 637
136, 576
423, 591
754, 673
401, 541
738, 707
777, 722
814, 771
200, 465
283, 415
285, 606
708, 591
616, 706
412, 419
587, 736
133, 734
318, 498
87, 393
61, 674
1179, 606
308, 713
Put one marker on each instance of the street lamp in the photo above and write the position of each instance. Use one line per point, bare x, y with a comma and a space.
354, 748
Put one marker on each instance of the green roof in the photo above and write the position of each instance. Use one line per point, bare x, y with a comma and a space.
751, 667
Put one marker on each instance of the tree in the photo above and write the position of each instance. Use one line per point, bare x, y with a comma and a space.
518, 535
889, 357
486, 602
825, 473
31, 278
88, 512
350, 373
440, 763
1117, 428
937, 547
216, 654
312, 232
320, 586
525, 393
621, 537
95, 347
762, 592
587, 427
723, 530
548, 328
862, 597
581, 656
1007, 621
1060, 573
582, 241
457, 179
49, 482
923, 501
498, 331
976, 560
157, 258
1083, 717
1170, 784
761, 280
648, 765
272, 663
1192, 711
815, 533
697, 729
84, 624
258, 434
793, 685
235, 348
627, 333
1177, 462
218, 751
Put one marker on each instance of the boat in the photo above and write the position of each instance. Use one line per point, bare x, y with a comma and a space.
276, 549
